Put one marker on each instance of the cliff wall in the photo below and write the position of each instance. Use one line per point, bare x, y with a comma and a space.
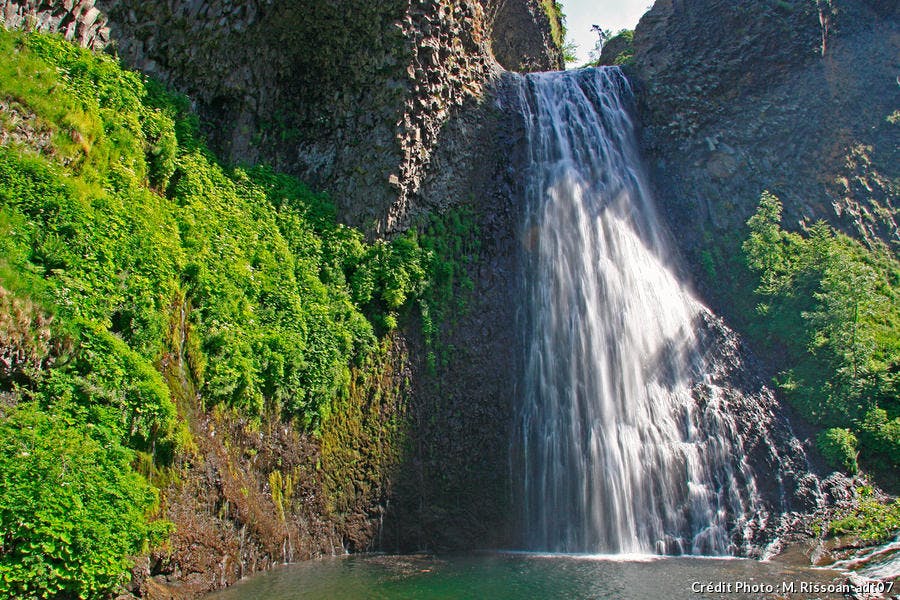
79, 21
349, 95
796, 97
515, 41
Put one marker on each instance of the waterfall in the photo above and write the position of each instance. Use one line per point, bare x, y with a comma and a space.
625, 442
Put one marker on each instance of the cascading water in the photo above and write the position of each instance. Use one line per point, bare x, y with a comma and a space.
619, 452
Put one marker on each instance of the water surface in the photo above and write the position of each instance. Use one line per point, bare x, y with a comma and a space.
507, 576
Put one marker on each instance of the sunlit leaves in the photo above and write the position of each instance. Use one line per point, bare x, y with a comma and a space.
832, 307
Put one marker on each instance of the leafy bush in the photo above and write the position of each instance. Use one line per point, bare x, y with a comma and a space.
625, 40
830, 312
107, 383
880, 437
620, 46
871, 520
838, 446
71, 508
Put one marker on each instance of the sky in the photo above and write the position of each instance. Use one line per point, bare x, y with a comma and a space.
609, 14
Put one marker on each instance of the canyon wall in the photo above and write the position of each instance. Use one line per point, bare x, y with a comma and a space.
349, 95
799, 98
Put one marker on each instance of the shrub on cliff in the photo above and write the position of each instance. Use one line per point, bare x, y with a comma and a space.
611, 49
831, 308
838, 446
71, 507
872, 520
880, 435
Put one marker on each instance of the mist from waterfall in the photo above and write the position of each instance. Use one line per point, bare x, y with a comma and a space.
624, 443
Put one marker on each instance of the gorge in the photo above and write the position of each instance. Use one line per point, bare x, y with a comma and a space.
487, 327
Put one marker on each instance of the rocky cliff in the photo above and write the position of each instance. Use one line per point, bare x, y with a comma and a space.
516, 43
79, 21
351, 95
796, 97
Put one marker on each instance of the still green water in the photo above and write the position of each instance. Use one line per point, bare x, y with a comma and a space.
519, 576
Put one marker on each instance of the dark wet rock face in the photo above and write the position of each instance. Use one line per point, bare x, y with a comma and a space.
515, 42
738, 97
453, 491
347, 95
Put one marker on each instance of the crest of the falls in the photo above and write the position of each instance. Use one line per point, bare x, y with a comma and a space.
624, 442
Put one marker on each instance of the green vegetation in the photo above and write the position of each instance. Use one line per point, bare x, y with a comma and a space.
830, 314
365, 438
71, 507
838, 446
114, 220
871, 520
624, 40
622, 44
452, 243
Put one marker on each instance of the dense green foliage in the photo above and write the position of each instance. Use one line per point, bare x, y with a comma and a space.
71, 507
830, 313
838, 446
452, 243
871, 520
114, 221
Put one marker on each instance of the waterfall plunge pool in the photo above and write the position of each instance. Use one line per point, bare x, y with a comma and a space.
513, 575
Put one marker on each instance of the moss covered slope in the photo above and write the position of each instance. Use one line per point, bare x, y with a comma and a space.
126, 248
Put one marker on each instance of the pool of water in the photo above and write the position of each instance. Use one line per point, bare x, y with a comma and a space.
499, 575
